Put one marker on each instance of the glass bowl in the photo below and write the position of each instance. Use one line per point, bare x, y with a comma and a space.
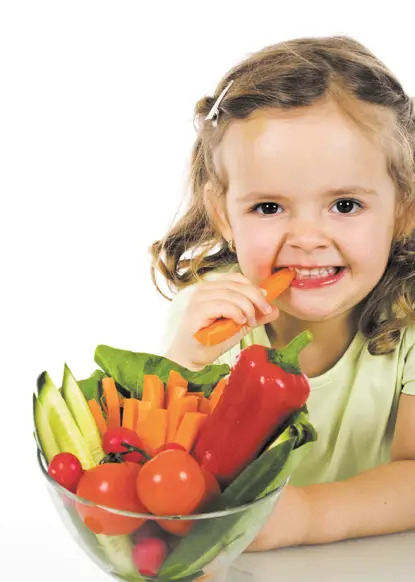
205, 554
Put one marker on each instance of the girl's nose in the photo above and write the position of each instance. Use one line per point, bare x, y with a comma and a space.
307, 235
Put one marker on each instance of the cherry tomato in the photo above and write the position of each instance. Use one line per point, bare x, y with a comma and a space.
113, 437
171, 483
182, 528
114, 485
168, 446
66, 470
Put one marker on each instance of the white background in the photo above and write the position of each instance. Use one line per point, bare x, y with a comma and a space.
95, 137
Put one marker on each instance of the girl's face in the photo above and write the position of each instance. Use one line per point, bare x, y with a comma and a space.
308, 189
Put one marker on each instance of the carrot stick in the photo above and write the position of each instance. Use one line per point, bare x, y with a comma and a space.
98, 416
189, 428
153, 429
112, 402
174, 392
217, 393
130, 413
143, 408
176, 379
176, 386
198, 394
153, 390
205, 405
224, 328
176, 411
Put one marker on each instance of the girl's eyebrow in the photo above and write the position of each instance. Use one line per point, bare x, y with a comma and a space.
332, 192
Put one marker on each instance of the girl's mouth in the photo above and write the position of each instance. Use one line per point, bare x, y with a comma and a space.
316, 277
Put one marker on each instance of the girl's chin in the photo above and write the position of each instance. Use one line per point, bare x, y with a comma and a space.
312, 313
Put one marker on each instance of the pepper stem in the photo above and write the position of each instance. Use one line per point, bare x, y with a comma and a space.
287, 358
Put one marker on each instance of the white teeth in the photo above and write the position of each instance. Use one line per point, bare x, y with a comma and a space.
315, 273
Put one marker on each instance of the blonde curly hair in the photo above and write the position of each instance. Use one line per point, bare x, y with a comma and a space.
297, 73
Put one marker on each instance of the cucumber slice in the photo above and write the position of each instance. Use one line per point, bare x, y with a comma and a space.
64, 428
45, 436
82, 414
119, 551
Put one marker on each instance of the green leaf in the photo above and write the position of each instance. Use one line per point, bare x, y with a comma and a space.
128, 368
90, 386
265, 474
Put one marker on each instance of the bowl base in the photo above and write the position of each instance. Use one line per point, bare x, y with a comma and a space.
234, 574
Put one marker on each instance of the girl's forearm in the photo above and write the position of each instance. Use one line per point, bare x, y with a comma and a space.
375, 502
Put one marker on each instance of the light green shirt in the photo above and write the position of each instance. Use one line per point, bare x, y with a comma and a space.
353, 405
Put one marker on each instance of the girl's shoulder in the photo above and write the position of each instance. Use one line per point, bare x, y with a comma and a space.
408, 339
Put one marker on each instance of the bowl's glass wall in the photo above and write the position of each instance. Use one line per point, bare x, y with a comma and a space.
229, 533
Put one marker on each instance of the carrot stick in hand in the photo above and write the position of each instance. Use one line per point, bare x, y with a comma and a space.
224, 328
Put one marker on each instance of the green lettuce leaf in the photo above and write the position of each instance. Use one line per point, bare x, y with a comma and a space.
91, 386
128, 368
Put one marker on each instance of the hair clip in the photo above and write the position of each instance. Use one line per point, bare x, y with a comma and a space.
214, 112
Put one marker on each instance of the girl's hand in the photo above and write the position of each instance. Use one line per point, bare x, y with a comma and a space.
232, 296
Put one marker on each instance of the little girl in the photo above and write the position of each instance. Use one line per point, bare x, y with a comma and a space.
305, 159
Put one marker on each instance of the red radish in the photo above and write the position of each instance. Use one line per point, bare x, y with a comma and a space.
66, 470
149, 529
149, 555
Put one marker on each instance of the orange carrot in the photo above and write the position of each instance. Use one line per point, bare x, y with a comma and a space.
189, 428
153, 429
130, 413
217, 393
176, 379
224, 328
176, 386
205, 405
98, 416
112, 402
198, 394
176, 411
153, 390
143, 408
173, 393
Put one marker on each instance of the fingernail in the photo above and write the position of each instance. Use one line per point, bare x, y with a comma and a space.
267, 308
252, 322
264, 291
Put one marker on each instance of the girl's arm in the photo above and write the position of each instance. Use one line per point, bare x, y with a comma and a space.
378, 501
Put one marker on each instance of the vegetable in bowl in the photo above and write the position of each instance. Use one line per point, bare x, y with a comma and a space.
135, 428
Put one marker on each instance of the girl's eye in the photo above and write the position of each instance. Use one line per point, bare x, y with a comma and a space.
267, 208
347, 206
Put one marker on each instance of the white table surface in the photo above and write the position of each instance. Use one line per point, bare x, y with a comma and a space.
388, 558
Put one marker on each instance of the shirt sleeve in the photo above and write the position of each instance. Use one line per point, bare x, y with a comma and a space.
408, 377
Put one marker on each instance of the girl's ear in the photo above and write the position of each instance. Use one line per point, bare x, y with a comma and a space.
215, 204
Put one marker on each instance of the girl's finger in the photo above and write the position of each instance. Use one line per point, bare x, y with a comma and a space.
253, 294
206, 312
240, 299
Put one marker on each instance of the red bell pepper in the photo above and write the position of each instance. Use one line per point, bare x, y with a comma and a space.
264, 387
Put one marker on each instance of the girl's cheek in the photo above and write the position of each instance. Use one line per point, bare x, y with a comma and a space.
256, 264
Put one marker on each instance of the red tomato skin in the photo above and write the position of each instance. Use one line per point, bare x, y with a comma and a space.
182, 528
168, 446
114, 436
171, 483
66, 469
113, 485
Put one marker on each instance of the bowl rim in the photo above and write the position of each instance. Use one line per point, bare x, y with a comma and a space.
151, 516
